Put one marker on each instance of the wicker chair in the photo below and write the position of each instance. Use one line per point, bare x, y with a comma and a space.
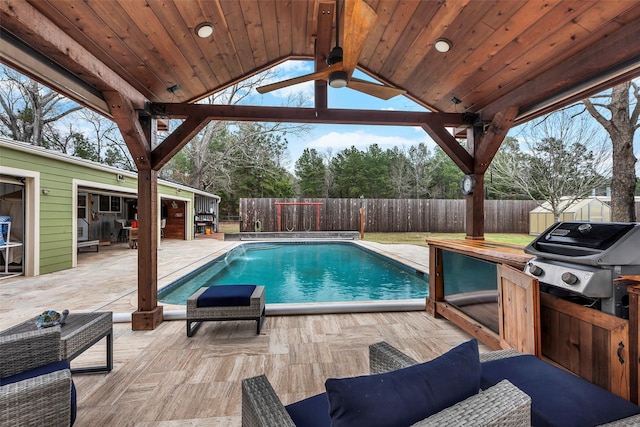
501, 405
41, 400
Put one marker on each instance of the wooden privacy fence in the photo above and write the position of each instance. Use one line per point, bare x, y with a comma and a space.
381, 215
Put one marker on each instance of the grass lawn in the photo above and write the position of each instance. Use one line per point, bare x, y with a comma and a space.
419, 238
412, 238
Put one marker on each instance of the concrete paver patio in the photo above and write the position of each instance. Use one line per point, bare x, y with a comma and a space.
163, 378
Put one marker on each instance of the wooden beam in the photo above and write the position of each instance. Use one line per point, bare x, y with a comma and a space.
449, 144
492, 139
39, 33
307, 115
126, 117
176, 140
326, 13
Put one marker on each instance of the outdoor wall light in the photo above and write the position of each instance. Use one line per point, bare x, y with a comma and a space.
442, 45
204, 30
338, 79
178, 190
45, 191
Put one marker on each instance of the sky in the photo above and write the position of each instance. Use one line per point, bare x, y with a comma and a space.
338, 137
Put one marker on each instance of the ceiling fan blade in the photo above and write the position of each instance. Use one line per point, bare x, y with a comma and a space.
358, 21
374, 89
318, 75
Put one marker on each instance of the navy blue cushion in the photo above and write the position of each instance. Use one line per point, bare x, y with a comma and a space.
226, 296
405, 396
558, 398
43, 370
310, 412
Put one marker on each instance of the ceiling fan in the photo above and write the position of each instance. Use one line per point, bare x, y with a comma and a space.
342, 61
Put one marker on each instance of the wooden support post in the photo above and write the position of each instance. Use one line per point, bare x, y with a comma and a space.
149, 314
475, 200
361, 223
475, 210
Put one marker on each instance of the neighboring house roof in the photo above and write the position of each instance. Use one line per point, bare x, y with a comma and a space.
44, 152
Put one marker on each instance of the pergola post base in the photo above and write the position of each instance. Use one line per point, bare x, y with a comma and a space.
146, 320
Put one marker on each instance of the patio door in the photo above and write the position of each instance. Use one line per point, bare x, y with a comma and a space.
83, 217
519, 311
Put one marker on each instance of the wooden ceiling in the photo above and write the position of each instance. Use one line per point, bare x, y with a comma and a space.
535, 55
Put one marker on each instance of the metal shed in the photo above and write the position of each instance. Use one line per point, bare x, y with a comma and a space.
591, 209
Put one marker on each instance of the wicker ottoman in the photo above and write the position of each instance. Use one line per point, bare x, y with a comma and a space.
206, 304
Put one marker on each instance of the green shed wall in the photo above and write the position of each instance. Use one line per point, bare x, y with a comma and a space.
56, 208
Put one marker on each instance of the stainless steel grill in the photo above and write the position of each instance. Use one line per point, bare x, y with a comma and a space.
580, 260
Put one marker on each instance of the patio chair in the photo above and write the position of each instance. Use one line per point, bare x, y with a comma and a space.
35, 384
395, 394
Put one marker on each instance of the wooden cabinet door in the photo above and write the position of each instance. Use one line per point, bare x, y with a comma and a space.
519, 311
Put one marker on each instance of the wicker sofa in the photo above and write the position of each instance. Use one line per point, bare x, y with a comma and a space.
500, 405
568, 398
35, 385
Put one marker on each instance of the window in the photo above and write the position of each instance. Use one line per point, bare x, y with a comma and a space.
110, 203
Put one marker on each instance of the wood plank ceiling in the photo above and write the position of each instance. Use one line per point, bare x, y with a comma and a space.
531, 54
137, 60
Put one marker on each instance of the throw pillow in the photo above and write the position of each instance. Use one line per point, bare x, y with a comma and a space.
405, 396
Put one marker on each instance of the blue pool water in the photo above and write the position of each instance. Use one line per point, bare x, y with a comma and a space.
306, 273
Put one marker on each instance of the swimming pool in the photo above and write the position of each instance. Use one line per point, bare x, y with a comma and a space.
306, 272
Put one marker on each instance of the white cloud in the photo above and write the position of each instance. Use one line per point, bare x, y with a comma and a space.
362, 139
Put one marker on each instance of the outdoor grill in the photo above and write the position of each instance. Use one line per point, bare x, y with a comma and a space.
579, 261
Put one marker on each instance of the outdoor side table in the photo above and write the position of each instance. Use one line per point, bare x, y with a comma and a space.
80, 331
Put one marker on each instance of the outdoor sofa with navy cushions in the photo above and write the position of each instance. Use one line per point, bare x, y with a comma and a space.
558, 398
440, 392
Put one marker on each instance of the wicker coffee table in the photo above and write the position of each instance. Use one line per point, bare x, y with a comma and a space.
81, 331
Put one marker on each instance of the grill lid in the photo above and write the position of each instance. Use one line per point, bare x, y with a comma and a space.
613, 243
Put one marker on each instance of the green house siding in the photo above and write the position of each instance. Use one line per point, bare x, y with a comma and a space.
57, 174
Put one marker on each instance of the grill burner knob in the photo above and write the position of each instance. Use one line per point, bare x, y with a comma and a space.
569, 278
535, 270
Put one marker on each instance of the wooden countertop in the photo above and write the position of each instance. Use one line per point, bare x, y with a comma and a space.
484, 249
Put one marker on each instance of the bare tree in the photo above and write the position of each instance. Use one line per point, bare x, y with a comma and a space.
29, 108
215, 152
617, 111
560, 162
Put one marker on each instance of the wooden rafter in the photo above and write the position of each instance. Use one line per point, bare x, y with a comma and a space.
326, 13
22, 18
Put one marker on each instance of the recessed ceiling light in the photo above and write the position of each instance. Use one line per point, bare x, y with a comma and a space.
204, 30
442, 45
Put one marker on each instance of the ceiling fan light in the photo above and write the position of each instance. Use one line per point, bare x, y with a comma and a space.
338, 79
204, 30
442, 45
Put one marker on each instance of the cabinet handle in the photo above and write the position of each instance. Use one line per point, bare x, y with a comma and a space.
620, 348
